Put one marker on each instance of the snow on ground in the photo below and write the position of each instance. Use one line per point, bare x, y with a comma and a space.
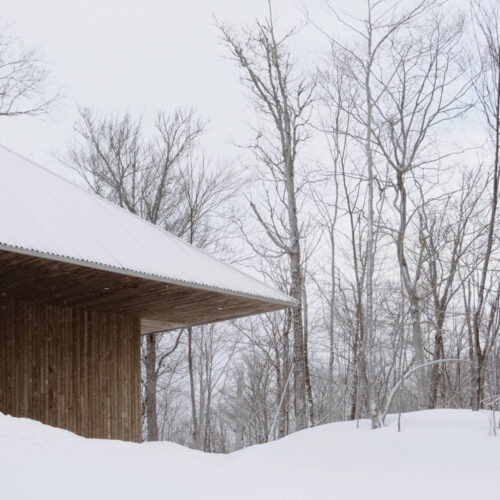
440, 454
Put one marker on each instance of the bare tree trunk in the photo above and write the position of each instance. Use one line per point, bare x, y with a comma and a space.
151, 376
195, 438
367, 345
418, 345
306, 359
201, 405
284, 426
299, 361
356, 376
411, 288
299, 383
331, 319
239, 443
437, 355
207, 433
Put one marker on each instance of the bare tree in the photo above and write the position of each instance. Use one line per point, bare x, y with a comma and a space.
444, 227
418, 86
142, 176
333, 85
284, 98
487, 20
423, 90
204, 191
24, 78
363, 63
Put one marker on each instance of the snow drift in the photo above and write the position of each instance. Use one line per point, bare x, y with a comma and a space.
440, 454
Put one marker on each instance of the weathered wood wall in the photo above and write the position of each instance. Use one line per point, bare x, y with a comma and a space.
71, 368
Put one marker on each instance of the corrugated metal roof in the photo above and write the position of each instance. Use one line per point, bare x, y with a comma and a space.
44, 214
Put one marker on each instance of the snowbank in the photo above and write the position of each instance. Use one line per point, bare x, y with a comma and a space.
440, 454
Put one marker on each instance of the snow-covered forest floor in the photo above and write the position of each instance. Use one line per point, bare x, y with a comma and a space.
439, 454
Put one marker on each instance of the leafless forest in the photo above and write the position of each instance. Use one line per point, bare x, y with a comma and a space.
368, 193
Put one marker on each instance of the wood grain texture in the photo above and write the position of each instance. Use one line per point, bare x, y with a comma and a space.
71, 368
161, 306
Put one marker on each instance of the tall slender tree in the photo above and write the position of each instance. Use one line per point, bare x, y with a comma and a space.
283, 97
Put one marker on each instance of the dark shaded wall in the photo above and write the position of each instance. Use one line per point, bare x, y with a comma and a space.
71, 368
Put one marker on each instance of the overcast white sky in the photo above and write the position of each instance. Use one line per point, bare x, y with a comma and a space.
126, 54
145, 55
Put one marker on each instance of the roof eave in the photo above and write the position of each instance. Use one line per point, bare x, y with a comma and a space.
289, 302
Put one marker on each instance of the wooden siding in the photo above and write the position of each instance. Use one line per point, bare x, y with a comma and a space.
71, 368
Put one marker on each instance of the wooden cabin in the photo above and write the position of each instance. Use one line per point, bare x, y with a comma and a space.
81, 280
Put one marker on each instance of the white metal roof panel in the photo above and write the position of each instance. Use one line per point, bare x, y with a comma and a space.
44, 214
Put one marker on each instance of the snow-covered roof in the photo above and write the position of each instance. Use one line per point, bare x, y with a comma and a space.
46, 215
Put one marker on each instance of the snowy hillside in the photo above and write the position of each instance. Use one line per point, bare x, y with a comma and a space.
440, 454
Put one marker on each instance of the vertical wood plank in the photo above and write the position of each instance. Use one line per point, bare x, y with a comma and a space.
71, 368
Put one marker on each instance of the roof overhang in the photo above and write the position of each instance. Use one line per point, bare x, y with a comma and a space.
161, 303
